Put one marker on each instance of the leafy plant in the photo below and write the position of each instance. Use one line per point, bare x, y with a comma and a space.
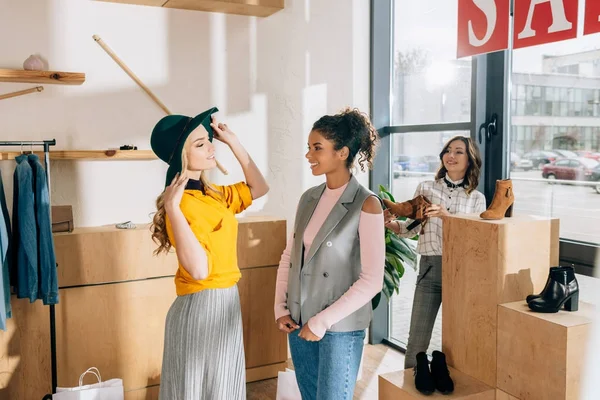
399, 252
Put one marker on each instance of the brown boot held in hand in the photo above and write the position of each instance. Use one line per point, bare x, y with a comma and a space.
413, 209
502, 203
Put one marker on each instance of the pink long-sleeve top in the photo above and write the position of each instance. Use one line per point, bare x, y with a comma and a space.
372, 258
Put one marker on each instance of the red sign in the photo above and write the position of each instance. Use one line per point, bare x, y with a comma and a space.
482, 26
544, 21
592, 17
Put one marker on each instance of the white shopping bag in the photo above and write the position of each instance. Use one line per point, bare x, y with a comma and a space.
287, 387
108, 390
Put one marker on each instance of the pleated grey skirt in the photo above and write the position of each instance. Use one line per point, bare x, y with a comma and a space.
203, 357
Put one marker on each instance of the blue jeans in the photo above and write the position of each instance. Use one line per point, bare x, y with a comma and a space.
327, 369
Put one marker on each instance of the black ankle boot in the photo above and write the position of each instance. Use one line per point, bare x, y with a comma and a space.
439, 371
423, 379
569, 270
563, 289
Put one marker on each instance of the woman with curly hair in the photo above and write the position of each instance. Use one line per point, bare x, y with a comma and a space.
203, 355
452, 191
333, 264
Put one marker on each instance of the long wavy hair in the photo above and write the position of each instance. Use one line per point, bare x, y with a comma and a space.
159, 222
471, 179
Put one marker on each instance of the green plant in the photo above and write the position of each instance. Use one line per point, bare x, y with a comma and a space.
399, 252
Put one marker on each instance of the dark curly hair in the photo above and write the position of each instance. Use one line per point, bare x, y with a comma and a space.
353, 129
471, 179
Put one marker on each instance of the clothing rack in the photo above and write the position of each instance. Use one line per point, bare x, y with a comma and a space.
46, 144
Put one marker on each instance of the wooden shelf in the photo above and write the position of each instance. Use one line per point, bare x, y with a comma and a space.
256, 8
47, 77
88, 155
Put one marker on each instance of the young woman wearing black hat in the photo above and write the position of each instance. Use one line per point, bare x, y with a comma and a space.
203, 350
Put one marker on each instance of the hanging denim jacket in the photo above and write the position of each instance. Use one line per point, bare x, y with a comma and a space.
5, 259
24, 271
47, 278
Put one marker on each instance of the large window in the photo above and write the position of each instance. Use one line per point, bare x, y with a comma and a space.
555, 134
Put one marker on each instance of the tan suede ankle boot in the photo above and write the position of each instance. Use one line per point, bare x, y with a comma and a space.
413, 209
502, 203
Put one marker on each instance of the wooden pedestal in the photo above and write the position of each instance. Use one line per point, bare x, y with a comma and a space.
400, 385
485, 264
540, 356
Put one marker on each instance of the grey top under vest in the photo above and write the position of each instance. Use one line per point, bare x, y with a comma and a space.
333, 263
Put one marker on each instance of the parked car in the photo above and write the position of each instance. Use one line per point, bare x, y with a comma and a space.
407, 163
578, 169
588, 154
397, 170
540, 157
433, 162
517, 162
565, 153
596, 178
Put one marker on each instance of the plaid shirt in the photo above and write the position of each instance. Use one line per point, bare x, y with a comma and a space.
456, 201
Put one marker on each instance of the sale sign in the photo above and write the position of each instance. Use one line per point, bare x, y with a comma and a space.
482, 26
544, 21
592, 17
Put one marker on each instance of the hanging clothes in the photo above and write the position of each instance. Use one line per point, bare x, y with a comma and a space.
5, 259
24, 271
47, 275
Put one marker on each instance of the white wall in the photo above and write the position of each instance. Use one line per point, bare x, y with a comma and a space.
271, 78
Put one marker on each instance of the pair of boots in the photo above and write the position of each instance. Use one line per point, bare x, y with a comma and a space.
438, 377
562, 289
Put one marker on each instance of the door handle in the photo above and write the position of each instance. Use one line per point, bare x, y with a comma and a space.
490, 127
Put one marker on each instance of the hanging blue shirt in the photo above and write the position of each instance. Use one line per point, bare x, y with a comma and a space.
24, 271
47, 278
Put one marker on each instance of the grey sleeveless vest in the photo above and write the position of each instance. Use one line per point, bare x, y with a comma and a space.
333, 261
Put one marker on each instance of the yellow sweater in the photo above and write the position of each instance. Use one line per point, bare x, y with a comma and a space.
213, 222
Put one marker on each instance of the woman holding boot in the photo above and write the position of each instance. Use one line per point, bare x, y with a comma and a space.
453, 191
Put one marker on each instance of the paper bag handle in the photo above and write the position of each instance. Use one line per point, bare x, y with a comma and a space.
92, 370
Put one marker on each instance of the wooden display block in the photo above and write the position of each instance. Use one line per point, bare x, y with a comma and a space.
541, 356
25, 352
261, 241
107, 254
117, 328
400, 385
265, 344
487, 263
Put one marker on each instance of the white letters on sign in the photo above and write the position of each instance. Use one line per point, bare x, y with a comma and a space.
559, 19
491, 15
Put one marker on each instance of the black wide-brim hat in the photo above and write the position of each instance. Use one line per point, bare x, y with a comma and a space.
169, 136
